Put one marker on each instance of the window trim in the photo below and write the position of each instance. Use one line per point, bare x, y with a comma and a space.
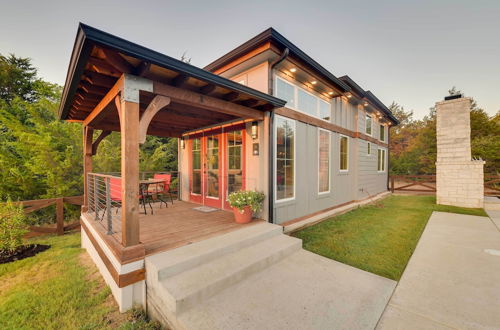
371, 125
275, 160
384, 152
329, 160
381, 129
296, 98
340, 155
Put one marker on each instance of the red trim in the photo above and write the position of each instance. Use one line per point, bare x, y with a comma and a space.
241, 127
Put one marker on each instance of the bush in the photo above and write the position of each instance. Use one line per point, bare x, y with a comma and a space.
242, 198
13, 226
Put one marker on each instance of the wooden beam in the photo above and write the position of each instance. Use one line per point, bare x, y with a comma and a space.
99, 111
101, 137
159, 102
98, 79
180, 80
231, 96
143, 69
88, 133
205, 102
207, 89
117, 61
129, 125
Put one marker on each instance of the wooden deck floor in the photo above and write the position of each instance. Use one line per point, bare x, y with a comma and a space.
180, 224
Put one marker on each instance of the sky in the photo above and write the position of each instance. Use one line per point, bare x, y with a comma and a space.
410, 52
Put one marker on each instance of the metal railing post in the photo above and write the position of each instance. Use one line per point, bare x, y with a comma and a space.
108, 208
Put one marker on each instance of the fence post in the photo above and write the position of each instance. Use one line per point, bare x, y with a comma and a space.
392, 184
60, 216
96, 200
108, 208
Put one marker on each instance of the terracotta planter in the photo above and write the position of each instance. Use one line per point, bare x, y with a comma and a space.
244, 216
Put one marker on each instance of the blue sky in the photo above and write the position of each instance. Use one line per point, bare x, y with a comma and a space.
410, 52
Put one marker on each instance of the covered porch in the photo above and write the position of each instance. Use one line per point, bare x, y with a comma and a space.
114, 85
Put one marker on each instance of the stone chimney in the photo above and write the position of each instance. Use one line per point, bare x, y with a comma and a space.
459, 178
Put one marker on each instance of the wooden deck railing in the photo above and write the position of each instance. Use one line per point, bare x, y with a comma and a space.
427, 183
31, 206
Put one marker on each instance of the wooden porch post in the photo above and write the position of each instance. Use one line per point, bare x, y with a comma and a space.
87, 162
129, 125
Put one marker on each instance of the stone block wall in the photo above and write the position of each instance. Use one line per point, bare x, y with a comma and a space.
460, 184
459, 179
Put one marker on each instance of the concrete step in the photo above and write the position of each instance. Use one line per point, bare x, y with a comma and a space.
170, 263
191, 287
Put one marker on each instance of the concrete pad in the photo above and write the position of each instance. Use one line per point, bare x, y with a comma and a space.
304, 291
452, 279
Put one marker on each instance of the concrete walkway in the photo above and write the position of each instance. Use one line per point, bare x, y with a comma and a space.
453, 278
304, 291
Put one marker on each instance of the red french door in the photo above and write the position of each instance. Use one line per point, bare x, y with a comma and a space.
217, 166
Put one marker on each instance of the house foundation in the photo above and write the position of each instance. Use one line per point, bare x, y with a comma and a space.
459, 178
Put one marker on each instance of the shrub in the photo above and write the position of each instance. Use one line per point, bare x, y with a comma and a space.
13, 226
242, 198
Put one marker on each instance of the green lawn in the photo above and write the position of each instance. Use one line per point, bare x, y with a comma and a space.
377, 238
60, 289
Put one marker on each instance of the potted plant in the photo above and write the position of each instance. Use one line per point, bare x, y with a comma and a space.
245, 203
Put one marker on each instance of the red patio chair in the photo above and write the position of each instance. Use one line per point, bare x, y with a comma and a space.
115, 192
167, 178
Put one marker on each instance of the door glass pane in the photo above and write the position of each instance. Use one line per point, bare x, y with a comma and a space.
213, 166
234, 168
196, 168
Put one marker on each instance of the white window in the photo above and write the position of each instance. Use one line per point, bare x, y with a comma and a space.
285, 159
344, 153
369, 149
323, 161
368, 127
381, 160
382, 133
285, 91
302, 100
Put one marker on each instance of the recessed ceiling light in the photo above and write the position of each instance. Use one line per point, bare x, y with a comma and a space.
349, 95
365, 104
314, 82
331, 93
293, 69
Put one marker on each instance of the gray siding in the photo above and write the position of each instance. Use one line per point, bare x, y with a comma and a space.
307, 199
370, 181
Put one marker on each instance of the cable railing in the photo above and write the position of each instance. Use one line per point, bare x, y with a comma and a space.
104, 197
104, 200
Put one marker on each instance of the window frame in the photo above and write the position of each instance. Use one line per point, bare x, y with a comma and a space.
275, 159
381, 129
340, 153
371, 124
296, 98
369, 149
329, 160
382, 151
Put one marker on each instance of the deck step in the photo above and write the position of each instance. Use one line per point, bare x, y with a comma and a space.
170, 263
186, 289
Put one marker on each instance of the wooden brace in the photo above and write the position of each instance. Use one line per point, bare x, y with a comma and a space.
159, 102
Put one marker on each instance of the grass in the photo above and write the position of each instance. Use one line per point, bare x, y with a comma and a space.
377, 238
60, 289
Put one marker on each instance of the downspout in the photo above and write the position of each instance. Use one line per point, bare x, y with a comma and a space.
273, 64
388, 156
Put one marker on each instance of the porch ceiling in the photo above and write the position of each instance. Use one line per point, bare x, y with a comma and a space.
100, 59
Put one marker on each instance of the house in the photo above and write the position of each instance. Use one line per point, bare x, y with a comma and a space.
265, 116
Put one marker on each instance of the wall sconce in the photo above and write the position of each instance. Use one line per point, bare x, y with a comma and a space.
183, 143
255, 130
